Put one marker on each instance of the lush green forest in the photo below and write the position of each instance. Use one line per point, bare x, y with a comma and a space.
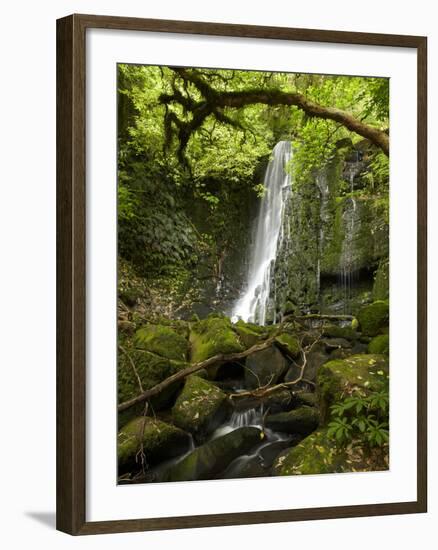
253, 277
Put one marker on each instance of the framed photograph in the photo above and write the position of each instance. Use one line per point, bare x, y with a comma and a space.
241, 274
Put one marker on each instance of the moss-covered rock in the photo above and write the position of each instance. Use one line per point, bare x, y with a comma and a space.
337, 378
162, 340
319, 454
200, 407
289, 342
248, 333
212, 458
298, 421
265, 366
373, 319
211, 337
335, 331
160, 441
379, 344
151, 370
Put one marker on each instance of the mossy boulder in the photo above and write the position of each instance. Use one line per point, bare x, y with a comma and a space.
213, 336
151, 370
374, 319
160, 441
379, 344
162, 340
212, 458
248, 333
289, 343
316, 454
303, 421
319, 454
337, 378
335, 331
200, 407
265, 366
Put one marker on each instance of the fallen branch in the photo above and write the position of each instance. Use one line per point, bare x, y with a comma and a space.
180, 375
220, 359
265, 391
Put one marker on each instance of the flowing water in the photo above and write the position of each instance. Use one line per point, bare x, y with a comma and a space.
261, 458
258, 297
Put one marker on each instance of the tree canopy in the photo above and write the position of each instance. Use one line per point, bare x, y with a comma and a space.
182, 130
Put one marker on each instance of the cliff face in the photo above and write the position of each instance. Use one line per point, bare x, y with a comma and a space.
335, 256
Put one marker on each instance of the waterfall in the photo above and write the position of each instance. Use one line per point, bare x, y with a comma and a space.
352, 225
258, 298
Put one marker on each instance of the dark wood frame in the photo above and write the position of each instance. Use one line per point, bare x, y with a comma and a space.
71, 232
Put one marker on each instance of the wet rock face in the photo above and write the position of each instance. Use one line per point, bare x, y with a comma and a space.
212, 458
263, 367
200, 408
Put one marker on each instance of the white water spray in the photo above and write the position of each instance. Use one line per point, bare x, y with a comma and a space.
256, 299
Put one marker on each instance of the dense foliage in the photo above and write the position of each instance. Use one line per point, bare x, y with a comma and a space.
223, 158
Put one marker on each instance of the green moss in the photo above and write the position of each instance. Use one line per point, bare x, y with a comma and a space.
334, 331
366, 372
319, 454
151, 369
379, 344
381, 281
249, 334
374, 318
163, 341
160, 441
211, 337
289, 342
201, 406
331, 256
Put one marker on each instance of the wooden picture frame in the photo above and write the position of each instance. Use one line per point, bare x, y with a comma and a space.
71, 273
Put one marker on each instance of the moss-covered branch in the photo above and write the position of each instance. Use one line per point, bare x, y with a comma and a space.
215, 101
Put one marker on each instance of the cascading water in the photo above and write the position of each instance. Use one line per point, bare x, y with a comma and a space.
352, 225
258, 297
